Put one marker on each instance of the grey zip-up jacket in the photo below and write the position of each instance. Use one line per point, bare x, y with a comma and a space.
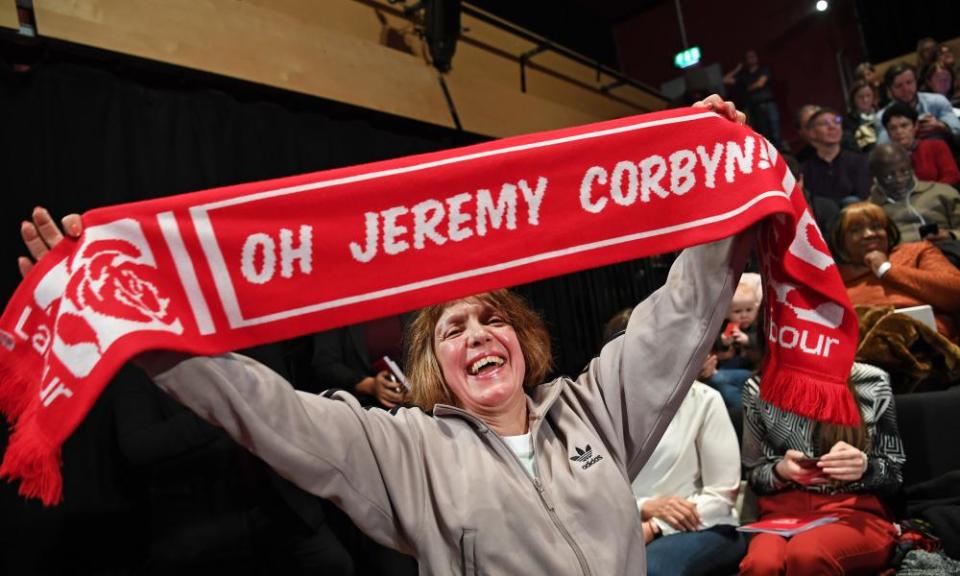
444, 487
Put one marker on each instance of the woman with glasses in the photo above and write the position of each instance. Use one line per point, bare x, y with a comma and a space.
877, 270
835, 174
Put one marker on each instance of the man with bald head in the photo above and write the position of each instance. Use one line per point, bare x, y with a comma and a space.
909, 202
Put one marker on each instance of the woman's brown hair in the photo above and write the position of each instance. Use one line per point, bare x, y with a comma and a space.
861, 211
827, 435
428, 386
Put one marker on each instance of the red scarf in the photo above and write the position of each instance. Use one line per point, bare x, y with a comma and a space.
234, 267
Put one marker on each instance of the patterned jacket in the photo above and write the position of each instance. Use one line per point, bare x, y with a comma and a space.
768, 432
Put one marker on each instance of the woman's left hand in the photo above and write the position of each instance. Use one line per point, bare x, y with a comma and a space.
844, 463
727, 109
874, 259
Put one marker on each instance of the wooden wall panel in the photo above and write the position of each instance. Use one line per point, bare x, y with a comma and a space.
356, 51
8, 14
246, 41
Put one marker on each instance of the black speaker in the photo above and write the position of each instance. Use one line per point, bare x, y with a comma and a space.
442, 29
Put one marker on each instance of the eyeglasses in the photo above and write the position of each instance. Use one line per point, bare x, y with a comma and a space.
827, 120
891, 177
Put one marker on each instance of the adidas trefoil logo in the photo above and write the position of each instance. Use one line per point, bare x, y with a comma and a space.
586, 457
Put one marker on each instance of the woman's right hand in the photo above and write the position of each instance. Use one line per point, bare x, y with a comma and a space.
41, 234
874, 259
790, 469
709, 368
679, 513
387, 392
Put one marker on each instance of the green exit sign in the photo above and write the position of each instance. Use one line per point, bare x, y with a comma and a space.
687, 58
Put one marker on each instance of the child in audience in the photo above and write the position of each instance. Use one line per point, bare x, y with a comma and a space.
736, 355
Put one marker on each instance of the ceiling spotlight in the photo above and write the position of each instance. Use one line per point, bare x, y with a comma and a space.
822, 5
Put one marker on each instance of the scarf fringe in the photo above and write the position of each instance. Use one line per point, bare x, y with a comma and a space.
34, 461
811, 396
15, 389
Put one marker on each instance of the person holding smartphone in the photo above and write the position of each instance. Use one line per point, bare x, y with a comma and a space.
800, 467
351, 358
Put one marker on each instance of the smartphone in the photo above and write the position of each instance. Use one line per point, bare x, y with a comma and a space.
929, 229
394, 373
808, 463
731, 328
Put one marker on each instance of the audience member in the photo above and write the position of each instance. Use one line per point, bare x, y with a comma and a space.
804, 468
927, 51
834, 173
859, 123
736, 354
949, 59
825, 210
345, 358
751, 81
868, 73
879, 271
806, 151
911, 203
937, 78
687, 491
931, 159
936, 116
348, 358
946, 56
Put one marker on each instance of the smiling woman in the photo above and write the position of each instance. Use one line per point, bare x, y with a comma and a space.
877, 270
493, 458
495, 471
497, 325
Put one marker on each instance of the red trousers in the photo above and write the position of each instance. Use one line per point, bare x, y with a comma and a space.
860, 542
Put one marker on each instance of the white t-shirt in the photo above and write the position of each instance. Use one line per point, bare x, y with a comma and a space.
522, 446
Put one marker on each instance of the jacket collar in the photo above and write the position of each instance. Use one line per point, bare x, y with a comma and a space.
539, 402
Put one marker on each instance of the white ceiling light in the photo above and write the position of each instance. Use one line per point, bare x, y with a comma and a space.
822, 5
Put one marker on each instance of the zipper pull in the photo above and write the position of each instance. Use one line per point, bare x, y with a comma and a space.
543, 494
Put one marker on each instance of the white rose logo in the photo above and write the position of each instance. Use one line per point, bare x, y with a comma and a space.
111, 292
112, 282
